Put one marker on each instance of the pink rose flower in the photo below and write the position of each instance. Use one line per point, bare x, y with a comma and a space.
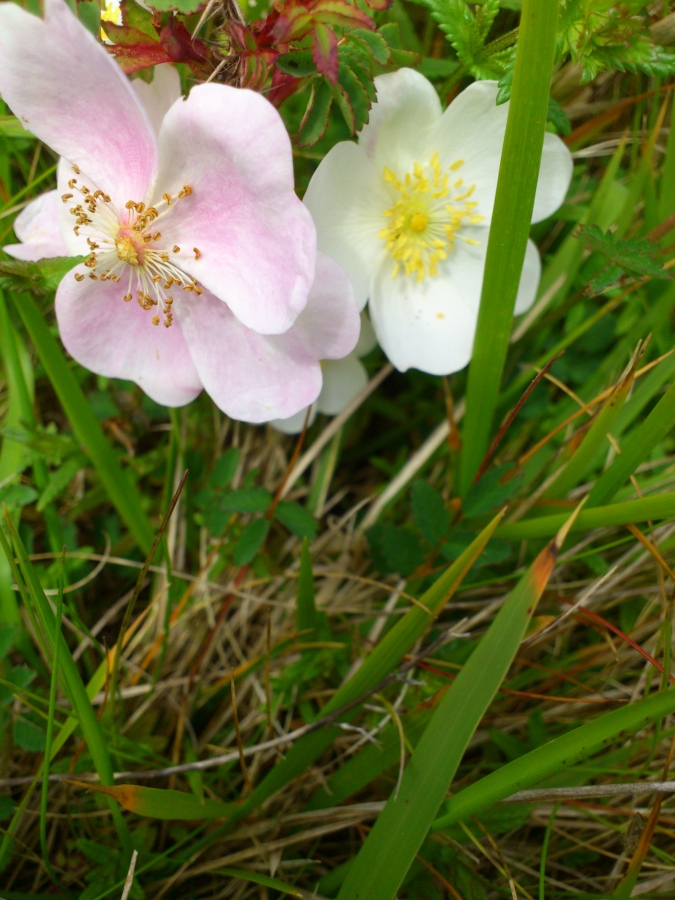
200, 257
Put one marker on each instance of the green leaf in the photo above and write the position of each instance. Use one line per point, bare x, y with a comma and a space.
157, 803
430, 513
493, 489
225, 468
28, 735
297, 519
315, 120
7, 807
18, 495
250, 542
13, 682
187, 7
373, 41
359, 100
8, 635
59, 480
306, 615
394, 549
557, 117
246, 500
42, 277
299, 63
634, 255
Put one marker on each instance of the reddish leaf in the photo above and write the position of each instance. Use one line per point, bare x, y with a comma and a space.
325, 52
181, 48
294, 23
379, 4
133, 57
340, 12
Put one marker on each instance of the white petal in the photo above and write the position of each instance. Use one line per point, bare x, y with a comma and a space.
555, 176
367, 338
401, 120
160, 94
529, 279
343, 379
472, 130
428, 326
347, 198
294, 424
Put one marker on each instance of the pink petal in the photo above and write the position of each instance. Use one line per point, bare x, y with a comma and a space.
71, 94
118, 340
251, 377
37, 227
256, 239
160, 94
329, 325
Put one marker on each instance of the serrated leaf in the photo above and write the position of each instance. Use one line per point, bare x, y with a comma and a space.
246, 500
374, 42
394, 549
344, 104
250, 542
359, 68
635, 255
430, 513
59, 480
15, 679
297, 519
187, 7
491, 491
358, 96
299, 63
315, 120
41, 277
558, 118
325, 52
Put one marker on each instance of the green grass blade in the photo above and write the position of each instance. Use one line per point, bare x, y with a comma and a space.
69, 675
85, 425
661, 506
550, 758
594, 440
306, 607
382, 661
510, 227
636, 449
157, 803
396, 837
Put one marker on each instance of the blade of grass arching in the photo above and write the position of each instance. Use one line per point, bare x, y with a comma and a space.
510, 228
400, 829
636, 448
157, 803
547, 760
595, 439
85, 425
69, 675
381, 662
56, 644
646, 509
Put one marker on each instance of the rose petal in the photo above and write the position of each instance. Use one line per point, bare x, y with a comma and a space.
37, 227
118, 339
367, 338
343, 379
472, 129
431, 325
555, 175
401, 120
329, 325
347, 198
428, 326
250, 376
160, 94
71, 94
256, 239
294, 424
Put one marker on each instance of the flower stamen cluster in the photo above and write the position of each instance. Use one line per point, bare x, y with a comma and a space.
126, 243
426, 217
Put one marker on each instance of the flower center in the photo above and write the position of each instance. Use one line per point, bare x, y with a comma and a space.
129, 245
426, 217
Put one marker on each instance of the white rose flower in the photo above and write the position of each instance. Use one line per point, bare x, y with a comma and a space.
406, 212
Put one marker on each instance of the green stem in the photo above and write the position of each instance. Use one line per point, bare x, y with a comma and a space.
514, 202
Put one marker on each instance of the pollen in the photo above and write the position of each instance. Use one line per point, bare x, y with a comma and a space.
125, 246
426, 217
